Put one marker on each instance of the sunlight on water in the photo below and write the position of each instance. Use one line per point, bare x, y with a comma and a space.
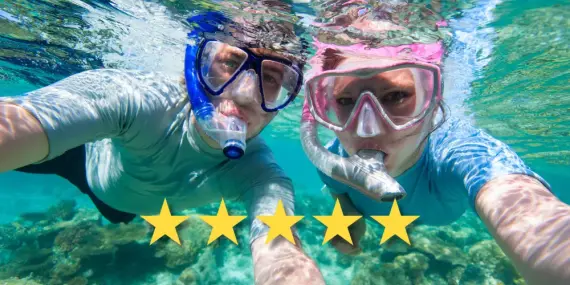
149, 39
522, 95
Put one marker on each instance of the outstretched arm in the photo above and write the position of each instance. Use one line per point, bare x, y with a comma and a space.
264, 184
91, 105
46, 122
22, 138
279, 261
530, 225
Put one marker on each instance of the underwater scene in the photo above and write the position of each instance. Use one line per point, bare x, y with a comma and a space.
506, 70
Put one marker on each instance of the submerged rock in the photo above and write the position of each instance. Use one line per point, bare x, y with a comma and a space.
489, 256
8, 237
415, 264
177, 256
206, 270
405, 269
188, 277
440, 250
26, 260
17, 281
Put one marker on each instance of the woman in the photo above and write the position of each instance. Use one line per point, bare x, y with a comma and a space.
383, 103
130, 139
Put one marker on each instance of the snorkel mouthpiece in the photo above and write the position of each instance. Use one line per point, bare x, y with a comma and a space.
364, 171
233, 139
369, 170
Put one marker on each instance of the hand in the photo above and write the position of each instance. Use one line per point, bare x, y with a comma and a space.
281, 262
357, 231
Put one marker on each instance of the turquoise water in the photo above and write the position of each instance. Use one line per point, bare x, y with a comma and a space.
507, 71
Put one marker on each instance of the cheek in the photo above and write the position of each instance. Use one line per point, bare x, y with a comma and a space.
409, 140
413, 133
260, 120
406, 144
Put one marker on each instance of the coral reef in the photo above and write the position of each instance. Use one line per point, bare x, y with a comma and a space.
460, 253
69, 245
65, 245
17, 281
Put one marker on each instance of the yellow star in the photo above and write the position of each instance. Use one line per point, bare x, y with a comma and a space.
395, 224
337, 224
165, 224
280, 224
222, 224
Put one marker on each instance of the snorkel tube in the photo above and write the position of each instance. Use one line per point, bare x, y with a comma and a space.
228, 131
364, 171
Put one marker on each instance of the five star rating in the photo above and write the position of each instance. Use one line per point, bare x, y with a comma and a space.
279, 224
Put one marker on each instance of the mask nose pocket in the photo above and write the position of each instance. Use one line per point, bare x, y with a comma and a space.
244, 89
368, 125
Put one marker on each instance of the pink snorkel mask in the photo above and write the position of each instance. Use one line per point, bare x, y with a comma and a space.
397, 85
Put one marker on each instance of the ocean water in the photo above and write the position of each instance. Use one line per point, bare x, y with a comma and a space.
506, 71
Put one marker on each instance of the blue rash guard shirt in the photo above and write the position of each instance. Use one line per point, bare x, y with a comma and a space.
455, 164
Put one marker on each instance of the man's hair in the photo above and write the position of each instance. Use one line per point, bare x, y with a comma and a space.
266, 24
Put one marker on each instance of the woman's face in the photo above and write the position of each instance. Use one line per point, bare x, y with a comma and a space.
397, 92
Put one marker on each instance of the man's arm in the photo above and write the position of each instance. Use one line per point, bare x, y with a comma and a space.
530, 225
46, 122
279, 261
264, 184
22, 138
82, 108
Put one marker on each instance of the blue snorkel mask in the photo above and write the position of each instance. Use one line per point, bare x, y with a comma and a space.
228, 132
210, 66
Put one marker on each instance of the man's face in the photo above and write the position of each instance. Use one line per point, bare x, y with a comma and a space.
242, 98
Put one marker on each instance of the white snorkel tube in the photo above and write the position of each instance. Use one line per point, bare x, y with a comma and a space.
364, 171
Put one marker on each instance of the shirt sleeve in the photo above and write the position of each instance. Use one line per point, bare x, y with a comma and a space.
470, 155
82, 108
264, 185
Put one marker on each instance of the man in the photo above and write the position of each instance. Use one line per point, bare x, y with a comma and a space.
130, 139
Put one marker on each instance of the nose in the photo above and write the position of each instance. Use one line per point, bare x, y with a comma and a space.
245, 90
368, 123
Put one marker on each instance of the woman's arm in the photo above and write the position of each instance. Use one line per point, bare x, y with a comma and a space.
22, 138
530, 225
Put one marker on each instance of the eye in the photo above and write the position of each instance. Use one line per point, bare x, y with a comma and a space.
231, 64
345, 101
271, 79
395, 98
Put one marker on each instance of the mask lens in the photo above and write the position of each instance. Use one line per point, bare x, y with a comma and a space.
219, 63
404, 94
279, 83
